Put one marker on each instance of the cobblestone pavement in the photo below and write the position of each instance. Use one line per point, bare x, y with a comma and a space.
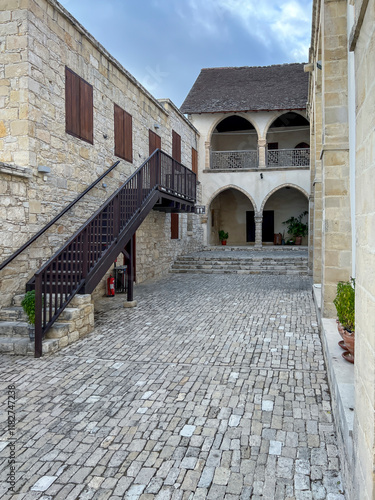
213, 387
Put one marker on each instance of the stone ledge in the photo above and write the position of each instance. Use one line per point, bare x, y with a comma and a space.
7, 168
341, 383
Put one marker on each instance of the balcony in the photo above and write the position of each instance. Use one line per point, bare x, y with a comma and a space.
288, 158
275, 158
234, 160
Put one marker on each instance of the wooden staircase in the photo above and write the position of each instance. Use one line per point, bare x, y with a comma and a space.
160, 183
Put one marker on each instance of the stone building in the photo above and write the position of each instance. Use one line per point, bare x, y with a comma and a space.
253, 149
341, 112
69, 111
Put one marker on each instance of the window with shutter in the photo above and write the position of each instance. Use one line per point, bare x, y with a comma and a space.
154, 142
174, 226
123, 124
79, 107
176, 146
194, 161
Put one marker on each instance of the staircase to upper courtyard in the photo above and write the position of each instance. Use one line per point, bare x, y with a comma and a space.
79, 265
244, 260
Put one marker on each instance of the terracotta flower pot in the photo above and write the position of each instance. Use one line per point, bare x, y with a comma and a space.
223, 242
340, 328
298, 240
349, 339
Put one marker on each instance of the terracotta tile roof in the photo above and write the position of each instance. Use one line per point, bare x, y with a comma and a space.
282, 86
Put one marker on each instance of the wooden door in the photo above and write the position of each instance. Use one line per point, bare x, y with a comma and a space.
250, 226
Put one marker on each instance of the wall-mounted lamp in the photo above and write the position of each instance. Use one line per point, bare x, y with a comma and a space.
261, 176
156, 125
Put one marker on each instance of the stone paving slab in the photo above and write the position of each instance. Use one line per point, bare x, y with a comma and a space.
213, 387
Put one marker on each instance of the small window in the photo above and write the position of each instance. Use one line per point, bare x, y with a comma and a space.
273, 145
194, 161
123, 134
174, 226
79, 108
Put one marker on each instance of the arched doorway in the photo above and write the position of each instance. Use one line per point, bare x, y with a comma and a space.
234, 144
229, 211
283, 203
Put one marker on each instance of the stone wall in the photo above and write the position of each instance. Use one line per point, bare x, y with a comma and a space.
40, 39
363, 44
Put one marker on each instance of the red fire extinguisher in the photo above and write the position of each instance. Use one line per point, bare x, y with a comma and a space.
111, 286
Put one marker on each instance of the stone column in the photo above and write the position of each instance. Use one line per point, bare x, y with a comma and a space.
316, 208
207, 161
336, 227
258, 230
262, 153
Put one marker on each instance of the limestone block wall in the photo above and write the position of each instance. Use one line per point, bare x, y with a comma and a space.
155, 251
40, 38
336, 227
364, 421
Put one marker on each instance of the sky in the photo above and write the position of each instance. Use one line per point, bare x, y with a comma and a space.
165, 43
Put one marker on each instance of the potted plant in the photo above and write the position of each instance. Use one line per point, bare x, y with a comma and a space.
223, 236
28, 305
345, 307
296, 228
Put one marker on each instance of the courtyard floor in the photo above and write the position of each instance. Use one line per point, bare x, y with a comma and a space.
214, 387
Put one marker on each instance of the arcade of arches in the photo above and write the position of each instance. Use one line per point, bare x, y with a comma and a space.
232, 211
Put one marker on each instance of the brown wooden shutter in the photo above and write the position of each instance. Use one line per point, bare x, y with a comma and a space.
86, 111
174, 226
123, 125
79, 107
119, 131
176, 146
72, 106
154, 142
194, 161
128, 135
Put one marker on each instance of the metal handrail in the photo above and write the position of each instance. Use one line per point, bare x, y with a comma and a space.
83, 256
55, 219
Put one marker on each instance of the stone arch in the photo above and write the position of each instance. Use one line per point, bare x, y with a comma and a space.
287, 184
231, 186
277, 115
242, 115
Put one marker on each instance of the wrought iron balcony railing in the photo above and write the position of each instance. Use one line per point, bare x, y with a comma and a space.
288, 158
276, 158
233, 160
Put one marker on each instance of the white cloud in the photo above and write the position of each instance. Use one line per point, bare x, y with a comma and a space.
285, 23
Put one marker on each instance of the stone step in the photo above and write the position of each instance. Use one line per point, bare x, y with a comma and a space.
24, 347
14, 329
15, 313
299, 272
238, 264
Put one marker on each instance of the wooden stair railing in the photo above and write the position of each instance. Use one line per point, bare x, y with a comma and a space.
83, 261
55, 219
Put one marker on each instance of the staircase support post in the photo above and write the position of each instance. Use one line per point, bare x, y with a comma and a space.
38, 352
129, 249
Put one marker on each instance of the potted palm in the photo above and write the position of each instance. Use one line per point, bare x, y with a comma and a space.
223, 236
296, 228
345, 307
28, 305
